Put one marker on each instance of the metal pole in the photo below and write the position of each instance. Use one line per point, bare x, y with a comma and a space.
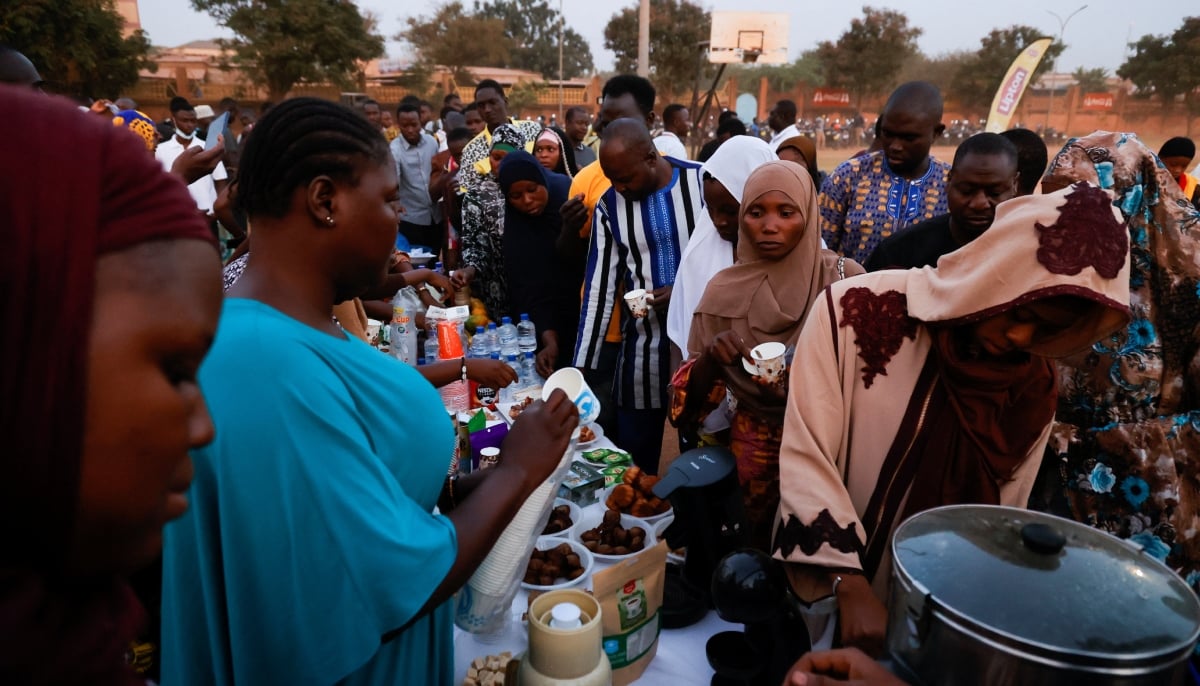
643, 65
560, 63
1062, 28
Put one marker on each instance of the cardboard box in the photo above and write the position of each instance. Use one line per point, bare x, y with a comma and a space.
582, 484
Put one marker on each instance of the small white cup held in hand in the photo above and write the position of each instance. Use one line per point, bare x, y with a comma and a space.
570, 380
769, 361
639, 301
373, 327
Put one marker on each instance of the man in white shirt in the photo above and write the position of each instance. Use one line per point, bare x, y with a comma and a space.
205, 189
782, 120
676, 124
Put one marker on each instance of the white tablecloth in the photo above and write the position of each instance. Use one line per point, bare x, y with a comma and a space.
680, 658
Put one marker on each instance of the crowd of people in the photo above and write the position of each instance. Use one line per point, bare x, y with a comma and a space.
244, 482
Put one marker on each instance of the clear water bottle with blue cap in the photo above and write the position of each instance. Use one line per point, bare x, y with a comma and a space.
526, 335
493, 338
508, 338
508, 393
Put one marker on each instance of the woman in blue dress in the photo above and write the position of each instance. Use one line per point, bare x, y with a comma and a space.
311, 553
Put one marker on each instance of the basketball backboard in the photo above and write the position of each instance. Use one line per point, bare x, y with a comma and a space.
759, 37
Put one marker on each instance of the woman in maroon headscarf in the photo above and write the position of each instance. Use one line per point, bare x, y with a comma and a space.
109, 297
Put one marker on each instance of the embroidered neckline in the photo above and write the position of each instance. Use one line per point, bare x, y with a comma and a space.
881, 323
1085, 235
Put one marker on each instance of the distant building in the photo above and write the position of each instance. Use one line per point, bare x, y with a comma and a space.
128, 9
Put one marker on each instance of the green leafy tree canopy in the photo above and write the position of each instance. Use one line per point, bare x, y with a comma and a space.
977, 79
532, 30
677, 27
939, 70
76, 45
1168, 66
281, 44
867, 57
456, 39
1091, 80
783, 77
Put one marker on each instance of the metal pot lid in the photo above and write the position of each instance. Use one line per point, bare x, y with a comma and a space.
1047, 581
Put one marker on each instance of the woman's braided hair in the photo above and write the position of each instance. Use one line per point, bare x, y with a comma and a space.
298, 140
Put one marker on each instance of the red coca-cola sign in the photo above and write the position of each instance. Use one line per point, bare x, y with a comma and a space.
1098, 101
831, 97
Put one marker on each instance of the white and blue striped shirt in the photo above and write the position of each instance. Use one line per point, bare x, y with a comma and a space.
637, 244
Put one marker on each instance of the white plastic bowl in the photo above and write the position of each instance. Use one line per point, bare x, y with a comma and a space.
576, 515
585, 558
588, 445
593, 518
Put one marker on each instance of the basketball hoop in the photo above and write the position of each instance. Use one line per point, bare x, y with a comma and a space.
750, 56
749, 38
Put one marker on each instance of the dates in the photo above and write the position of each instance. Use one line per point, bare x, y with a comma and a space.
610, 538
554, 566
560, 520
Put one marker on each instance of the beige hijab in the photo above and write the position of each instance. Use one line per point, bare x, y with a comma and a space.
768, 300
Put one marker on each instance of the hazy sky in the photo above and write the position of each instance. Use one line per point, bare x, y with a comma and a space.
1096, 37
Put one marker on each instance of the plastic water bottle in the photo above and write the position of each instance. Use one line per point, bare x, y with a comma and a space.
403, 327
507, 394
508, 338
493, 338
526, 335
481, 395
431, 343
478, 347
529, 375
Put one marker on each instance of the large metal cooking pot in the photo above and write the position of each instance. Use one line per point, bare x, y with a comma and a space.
992, 596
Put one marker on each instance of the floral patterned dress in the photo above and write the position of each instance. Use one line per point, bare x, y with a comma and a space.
1124, 455
483, 245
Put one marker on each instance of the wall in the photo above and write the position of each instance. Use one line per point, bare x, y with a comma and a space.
1148, 118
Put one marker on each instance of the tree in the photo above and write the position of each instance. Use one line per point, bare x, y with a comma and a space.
1091, 80
677, 27
939, 70
782, 78
532, 29
523, 95
869, 55
976, 82
281, 44
76, 45
456, 39
1168, 67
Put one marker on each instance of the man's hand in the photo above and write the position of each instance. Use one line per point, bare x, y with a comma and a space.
844, 667
104, 107
544, 362
574, 214
862, 617
660, 298
195, 163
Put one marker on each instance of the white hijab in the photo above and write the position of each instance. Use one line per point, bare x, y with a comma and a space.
706, 252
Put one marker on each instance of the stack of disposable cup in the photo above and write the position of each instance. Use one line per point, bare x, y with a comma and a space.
456, 395
483, 605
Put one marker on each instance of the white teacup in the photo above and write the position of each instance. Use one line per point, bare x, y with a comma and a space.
769, 361
638, 301
373, 326
570, 380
